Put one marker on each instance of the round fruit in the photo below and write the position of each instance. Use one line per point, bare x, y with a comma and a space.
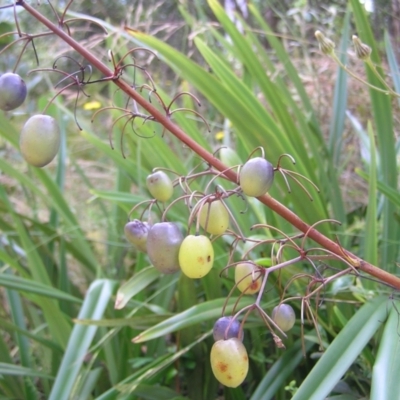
226, 328
160, 186
284, 316
214, 218
229, 362
163, 242
136, 232
40, 140
196, 256
248, 277
256, 176
12, 91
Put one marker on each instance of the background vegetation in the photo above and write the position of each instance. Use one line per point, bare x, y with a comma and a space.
262, 81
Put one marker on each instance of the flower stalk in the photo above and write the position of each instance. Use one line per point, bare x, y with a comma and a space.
273, 204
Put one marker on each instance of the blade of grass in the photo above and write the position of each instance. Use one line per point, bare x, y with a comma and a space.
134, 285
339, 98
371, 227
93, 307
393, 64
390, 193
385, 383
279, 372
342, 352
22, 342
17, 370
383, 117
30, 286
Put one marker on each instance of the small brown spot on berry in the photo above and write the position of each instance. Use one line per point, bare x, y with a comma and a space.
222, 366
254, 285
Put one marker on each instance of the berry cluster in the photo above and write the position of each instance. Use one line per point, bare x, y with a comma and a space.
40, 136
170, 251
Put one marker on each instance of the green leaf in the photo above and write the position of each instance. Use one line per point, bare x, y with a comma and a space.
343, 351
134, 285
279, 372
385, 383
34, 287
371, 229
93, 307
11, 369
383, 118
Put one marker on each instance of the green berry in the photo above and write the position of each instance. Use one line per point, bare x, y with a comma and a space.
229, 362
39, 140
248, 277
284, 316
196, 256
214, 218
160, 186
256, 177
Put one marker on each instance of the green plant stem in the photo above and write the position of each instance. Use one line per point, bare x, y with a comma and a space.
159, 117
388, 91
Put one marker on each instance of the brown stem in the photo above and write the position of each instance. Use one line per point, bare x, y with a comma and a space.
270, 202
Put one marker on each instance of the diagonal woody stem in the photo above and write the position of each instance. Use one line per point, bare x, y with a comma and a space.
270, 202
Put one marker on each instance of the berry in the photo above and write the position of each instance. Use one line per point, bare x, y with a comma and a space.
163, 242
229, 362
256, 176
12, 91
248, 277
222, 332
136, 232
160, 186
39, 140
214, 218
196, 256
284, 316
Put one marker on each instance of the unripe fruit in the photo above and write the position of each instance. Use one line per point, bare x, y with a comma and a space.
12, 91
256, 176
222, 332
196, 256
214, 218
284, 316
163, 242
248, 277
136, 232
229, 362
160, 186
39, 140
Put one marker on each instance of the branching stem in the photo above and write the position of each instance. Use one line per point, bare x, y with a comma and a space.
270, 202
